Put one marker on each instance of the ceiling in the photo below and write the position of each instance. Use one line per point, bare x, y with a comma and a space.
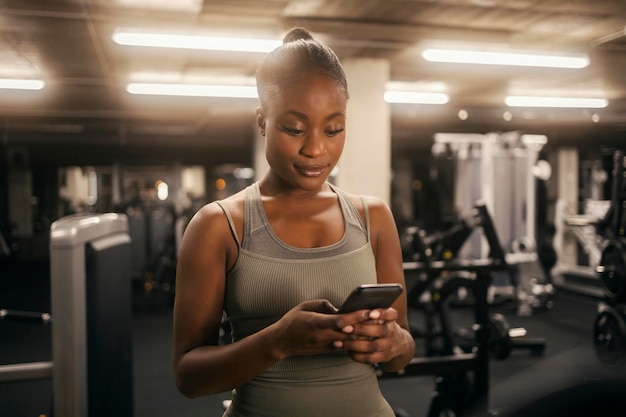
68, 44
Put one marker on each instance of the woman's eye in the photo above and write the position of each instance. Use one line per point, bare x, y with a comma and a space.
292, 131
334, 132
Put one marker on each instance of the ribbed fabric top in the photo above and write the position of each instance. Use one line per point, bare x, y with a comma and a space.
269, 278
259, 237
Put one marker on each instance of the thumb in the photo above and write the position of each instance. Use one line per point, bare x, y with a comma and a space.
318, 306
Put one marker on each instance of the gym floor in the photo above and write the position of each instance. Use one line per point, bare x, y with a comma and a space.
568, 360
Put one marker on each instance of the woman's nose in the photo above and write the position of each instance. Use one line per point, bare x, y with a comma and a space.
314, 145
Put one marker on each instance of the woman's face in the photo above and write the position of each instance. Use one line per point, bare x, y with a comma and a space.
304, 123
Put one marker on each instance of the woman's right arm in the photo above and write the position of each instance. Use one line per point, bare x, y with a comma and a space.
201, 365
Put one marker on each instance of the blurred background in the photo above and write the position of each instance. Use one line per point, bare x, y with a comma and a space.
146, 109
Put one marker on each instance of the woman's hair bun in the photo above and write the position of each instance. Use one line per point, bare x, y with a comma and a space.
296, 34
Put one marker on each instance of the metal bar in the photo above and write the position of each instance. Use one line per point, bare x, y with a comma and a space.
25, 315
472, 265
436, 365
25, 371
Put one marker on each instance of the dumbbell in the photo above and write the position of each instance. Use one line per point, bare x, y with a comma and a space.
503, 339
609, 336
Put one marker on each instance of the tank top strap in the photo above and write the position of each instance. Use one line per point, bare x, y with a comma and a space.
366, 210
253, 215
231, 223
351, 213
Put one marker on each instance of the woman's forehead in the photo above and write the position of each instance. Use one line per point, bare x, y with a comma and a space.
307, 86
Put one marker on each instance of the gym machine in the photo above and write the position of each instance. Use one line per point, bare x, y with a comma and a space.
461, 372
91, 308
153, 246
609, 333
583, 222
502, 169
25, 371
443, 247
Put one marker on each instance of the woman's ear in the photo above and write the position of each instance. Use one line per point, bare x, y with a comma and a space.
260, 121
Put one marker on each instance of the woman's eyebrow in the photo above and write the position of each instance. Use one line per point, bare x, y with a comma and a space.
303, 116
298, 114
335, 115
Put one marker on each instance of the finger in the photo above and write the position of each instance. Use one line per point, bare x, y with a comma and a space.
362, 345
384, 314
350, 319
370, 330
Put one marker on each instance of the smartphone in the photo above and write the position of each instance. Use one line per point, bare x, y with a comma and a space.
370, 296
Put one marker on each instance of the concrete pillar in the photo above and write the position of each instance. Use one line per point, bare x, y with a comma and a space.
260, 161
567, 204
365, 166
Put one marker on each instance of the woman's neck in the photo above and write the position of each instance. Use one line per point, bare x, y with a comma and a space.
273, 186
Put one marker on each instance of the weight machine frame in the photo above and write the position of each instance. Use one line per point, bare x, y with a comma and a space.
25, 371
478, 282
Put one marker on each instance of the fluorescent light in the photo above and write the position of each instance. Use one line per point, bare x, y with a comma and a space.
178, 5
162, 40
21, 84
567, 102
462, 56
195, 90
415, 97
250, 91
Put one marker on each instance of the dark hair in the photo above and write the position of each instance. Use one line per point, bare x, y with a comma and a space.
298, 53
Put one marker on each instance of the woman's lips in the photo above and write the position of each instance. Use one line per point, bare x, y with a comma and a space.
311, 171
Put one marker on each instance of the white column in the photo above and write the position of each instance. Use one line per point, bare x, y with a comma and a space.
365, 166
567, 204
259, 160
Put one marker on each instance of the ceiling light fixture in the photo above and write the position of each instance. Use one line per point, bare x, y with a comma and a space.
564, 102
462, 56
163, 40
415, 97
247, 89
21, 84
178, 5
193, 90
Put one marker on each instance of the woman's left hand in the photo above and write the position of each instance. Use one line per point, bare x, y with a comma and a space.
375, 338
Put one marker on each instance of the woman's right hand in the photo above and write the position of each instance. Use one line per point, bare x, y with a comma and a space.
310, 328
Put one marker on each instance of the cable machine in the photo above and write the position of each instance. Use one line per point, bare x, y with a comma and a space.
609, 333
501, 169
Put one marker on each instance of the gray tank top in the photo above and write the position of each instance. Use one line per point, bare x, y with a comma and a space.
268, 279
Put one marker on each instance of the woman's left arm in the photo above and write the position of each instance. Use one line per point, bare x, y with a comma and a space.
397, 343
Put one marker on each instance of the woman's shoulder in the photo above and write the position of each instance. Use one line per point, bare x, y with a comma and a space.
375, 206
372, 202
233, 203
217, 209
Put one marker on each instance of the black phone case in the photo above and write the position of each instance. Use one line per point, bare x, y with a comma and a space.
367, 297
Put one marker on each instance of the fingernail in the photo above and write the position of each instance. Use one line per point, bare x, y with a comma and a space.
338, 344
348, 329
374, 314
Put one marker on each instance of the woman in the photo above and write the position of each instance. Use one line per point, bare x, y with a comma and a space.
281, 255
